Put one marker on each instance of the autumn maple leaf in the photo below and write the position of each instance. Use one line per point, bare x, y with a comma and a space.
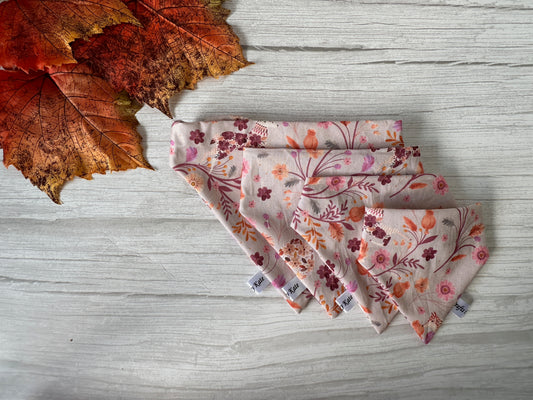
66, 122
36, 33
181, 42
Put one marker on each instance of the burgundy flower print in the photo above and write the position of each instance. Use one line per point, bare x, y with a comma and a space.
255, 140
323, 272
264, 193
379, 233
197, 136
223, 145
429, 254
370, 220
257, 258
384, 179
241, 138
332, 282
354, 245
241, 124
227, 135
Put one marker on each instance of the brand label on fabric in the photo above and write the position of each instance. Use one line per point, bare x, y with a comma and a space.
346, 301
258, 282
461, 307
293, 288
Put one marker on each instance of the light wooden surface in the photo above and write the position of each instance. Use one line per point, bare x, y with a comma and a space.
132, 290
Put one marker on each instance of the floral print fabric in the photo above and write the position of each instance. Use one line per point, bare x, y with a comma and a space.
272, 182
331, 216
209, 157
425, 259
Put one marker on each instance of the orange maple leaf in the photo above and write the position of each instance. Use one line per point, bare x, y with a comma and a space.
36, 33
66, 122
179, 44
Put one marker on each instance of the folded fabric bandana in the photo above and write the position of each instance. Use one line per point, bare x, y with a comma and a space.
330, 218
209, 156
272, 182
424, 258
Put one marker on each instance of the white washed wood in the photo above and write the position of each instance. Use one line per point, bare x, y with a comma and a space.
118, 294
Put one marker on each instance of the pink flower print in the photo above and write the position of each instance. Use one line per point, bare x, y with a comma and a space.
197, 136
257, 258
439, 185
381, 258
480, 255
335, 182
352, 286
190, 154
280, 215
245, 167
397, 126
367, 164
348, 152
421, 310
347, 161
444, 237
172, 147
407, 198
266, 248
279, 282
337, 256
257, 178
324, 124
445, 290
251, 204
363, 139
241, 124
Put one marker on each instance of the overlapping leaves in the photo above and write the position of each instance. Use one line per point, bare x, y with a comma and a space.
60, 121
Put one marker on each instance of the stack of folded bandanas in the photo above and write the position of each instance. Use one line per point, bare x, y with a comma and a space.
338, 211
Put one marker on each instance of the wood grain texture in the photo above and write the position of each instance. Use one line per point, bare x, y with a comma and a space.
119, 294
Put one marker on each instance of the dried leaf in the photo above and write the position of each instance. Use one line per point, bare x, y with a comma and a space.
181, 43
458, 257
415, 186
66, 122
36, 33
477, 230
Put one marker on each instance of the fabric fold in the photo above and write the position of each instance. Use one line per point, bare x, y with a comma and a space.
330, 217
208, 155
272, 182
424, 258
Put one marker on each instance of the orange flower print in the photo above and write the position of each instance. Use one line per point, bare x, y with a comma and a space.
418, 327
428, 221
421, 285
357, 213
400, 288
336, 231
280, 171
195, 181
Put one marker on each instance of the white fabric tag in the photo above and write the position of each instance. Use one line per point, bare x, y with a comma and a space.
461, 307
346, 301
293, 288
258, 282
